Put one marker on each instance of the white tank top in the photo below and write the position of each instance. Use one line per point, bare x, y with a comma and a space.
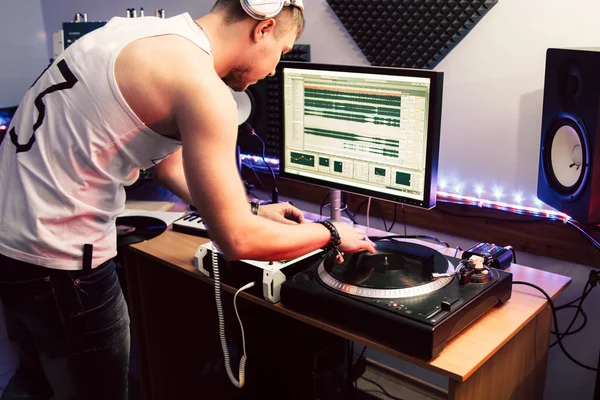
73, 145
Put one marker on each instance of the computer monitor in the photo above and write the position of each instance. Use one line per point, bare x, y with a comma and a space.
374, 131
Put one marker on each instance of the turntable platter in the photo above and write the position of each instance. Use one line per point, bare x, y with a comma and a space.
399, 269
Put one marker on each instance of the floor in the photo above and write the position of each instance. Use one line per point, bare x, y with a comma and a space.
382, 387
370, 386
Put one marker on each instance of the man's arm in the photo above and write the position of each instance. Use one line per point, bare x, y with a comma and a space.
169, 174
188, 97
205, 113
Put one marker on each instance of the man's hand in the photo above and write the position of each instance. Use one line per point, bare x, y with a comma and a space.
353, 240
281, 212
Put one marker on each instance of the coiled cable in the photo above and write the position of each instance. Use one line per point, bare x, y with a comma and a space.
221, 316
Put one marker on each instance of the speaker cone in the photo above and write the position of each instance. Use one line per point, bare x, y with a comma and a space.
566, 157
245, 103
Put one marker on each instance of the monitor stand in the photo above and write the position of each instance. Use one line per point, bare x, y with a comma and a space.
335, 205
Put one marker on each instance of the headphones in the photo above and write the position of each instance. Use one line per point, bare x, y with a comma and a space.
265, 9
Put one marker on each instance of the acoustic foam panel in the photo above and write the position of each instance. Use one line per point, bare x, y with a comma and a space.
266, 109
409, 33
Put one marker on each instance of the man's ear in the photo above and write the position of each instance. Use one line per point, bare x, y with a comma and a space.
264, 28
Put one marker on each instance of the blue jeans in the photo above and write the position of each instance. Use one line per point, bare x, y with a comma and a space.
71, 329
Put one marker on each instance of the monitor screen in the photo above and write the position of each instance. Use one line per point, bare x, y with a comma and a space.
374, 131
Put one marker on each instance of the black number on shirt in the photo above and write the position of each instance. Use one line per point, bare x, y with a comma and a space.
70, 81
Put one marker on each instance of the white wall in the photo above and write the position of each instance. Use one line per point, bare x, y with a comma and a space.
58, 11
23, 57
22, 48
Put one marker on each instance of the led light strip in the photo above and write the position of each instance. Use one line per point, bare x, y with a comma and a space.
462, 199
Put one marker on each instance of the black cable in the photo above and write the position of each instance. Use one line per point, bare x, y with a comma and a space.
584, 233
250, 193
404, 218
381, 214
323, 204
362, 353
458, 248
261, 168
575, 300
353, 217
551, 303
378, 392
257, 177
359, 207
274, 192
394, 219
377, 238
579, 310
383, 218
349, 214
568, 332
382, 388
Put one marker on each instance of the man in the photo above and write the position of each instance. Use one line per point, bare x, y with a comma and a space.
134, 94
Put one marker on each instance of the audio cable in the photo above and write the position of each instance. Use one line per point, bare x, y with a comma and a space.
555, 320
221, 317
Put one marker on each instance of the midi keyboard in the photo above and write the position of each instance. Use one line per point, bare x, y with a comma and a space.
192, 224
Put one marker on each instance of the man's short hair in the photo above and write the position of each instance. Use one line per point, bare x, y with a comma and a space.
288, 17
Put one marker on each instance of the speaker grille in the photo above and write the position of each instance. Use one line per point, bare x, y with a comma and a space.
409, 33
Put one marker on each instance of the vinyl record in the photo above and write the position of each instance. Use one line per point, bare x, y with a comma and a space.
395, 266
134, 229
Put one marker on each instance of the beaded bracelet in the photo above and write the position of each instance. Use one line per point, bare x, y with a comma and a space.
334, 243
254, 207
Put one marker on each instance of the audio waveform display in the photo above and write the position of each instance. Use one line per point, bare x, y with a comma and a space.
380, 171
351, 137
367, 97
393, 122
373, 150
353, 105
302, 159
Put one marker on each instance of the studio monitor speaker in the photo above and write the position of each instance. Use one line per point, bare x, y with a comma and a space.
569, 167
260, 106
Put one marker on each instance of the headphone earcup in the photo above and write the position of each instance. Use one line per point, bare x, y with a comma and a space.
262, 9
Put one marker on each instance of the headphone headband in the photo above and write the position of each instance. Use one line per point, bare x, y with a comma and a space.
265, 9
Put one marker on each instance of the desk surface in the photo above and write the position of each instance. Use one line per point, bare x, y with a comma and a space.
461, 357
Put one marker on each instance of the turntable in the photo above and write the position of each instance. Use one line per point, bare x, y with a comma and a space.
408, 296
